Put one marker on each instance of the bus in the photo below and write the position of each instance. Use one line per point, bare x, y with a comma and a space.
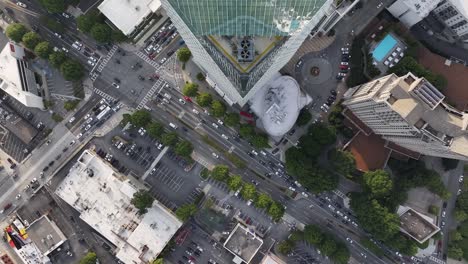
103, 113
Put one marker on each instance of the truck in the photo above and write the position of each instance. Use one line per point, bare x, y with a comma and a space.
103, 113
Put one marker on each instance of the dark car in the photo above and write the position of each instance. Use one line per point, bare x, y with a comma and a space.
292, 132
275, 151
333, 92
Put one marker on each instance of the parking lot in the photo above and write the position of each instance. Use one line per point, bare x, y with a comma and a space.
304, 253
155, 46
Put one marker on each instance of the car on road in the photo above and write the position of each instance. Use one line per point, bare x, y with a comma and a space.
215, 155
163, 60
87, 116
87, 127
344, 63
459, 192
363, 255
379, 5
220, 122
65, 49
115, 85
443, 213
460, 180
195, 111
349, 240
225, 137
65, 15
299, 63
71, 119
90, 62
292, 132
254, 182
182, 101
20, 4
89, 120
18, 196
215, 125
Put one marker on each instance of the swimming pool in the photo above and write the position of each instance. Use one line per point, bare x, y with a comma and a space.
384, 47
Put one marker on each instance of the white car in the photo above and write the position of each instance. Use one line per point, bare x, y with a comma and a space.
324, 109
215, 155
87, 116
72, 142
220, 122
116, 85
459, 192
299, 63
225, 137
93, 59
443, 213
215, 125
65, 15
65, 49
18, 196
87, 127
195, 111
57, 35
163, 60
21, 5
349, 240
342, 74
90, 62
379, 5
182, 101
89, 120
80, 135
71, 119
460, 180
344, 63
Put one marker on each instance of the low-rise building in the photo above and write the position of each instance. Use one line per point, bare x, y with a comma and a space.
16, 79
454, 14
243, 244
410, 12
103, 196
416, 225
410, 113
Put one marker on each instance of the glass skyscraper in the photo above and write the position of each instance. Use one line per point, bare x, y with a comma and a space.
240, 44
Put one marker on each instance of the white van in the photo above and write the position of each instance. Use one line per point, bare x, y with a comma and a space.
173, 125
168, 96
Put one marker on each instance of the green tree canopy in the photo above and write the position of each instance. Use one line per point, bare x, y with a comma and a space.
56, 58
313, 234
218, 109
54, 6
310, 146
263, 200
232, 119
71, 70
303, 118
449, 164
16, 31
328, 246
140, 118
71, 105
85, 23
31, 39
286, 246
158, 261
454, 252
170, 139
89, 258
118, 36
186, 211
190, 89
246, 131
204, 99
201, 77
248, 192
43, 50
235, 182
378, 182
184, 54
323, 134
101, 33
184, 148
155, 129
260, 141
343, 162
341, 255
142, 200
220, 173
276, 211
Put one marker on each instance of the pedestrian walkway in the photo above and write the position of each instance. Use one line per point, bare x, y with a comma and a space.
158, 84
147, 59
436, 260
200, 159
104, 95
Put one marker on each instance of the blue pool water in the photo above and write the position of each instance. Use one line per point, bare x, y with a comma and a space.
387, 44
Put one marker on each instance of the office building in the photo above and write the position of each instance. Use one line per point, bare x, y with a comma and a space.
240, 45
410, 12
411, 113
454, 14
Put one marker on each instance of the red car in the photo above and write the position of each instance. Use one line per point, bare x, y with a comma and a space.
188, 99
344, 67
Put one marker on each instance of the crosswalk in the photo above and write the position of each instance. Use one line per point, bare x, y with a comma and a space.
108, 97
150, 93
439, 261
94, 74
145, 57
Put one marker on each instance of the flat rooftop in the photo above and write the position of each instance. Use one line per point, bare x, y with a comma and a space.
105, 205
416, 225
243, 243
45, 234
128, 14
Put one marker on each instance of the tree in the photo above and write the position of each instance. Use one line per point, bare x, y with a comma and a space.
343, 162
303, 118
328, 246
249, 192
101, 33
218, 109
220, 173
72, 70
454, 252
323, 134
140, 118
204, 99
85, 23
260, 141
246, 131
461, 216
235, 182
455, 236
118, 36
186, 211
184, 54
71, 105
184, 148
43, 50
54, 6
190, 89
232, 119
285, 247
155, 129
263, 200
378, 182
341, 255
170, 139
30, 40
310, 146
313, 234
433, 209
276, 211
16, 31
142, 199
158, 261
449, 164
201, 77
56, 58
89, 258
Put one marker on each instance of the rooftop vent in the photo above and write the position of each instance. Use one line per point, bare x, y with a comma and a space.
245, 50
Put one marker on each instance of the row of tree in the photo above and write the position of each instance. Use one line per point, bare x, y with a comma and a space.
301, 161
326, 243
71, 69
142, 118
93, 23
458, 244
248, 191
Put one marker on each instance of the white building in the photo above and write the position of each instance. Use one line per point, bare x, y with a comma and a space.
128, 15
102, 196
454, 14
240, 45
16, 79
410, 112
410, 12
